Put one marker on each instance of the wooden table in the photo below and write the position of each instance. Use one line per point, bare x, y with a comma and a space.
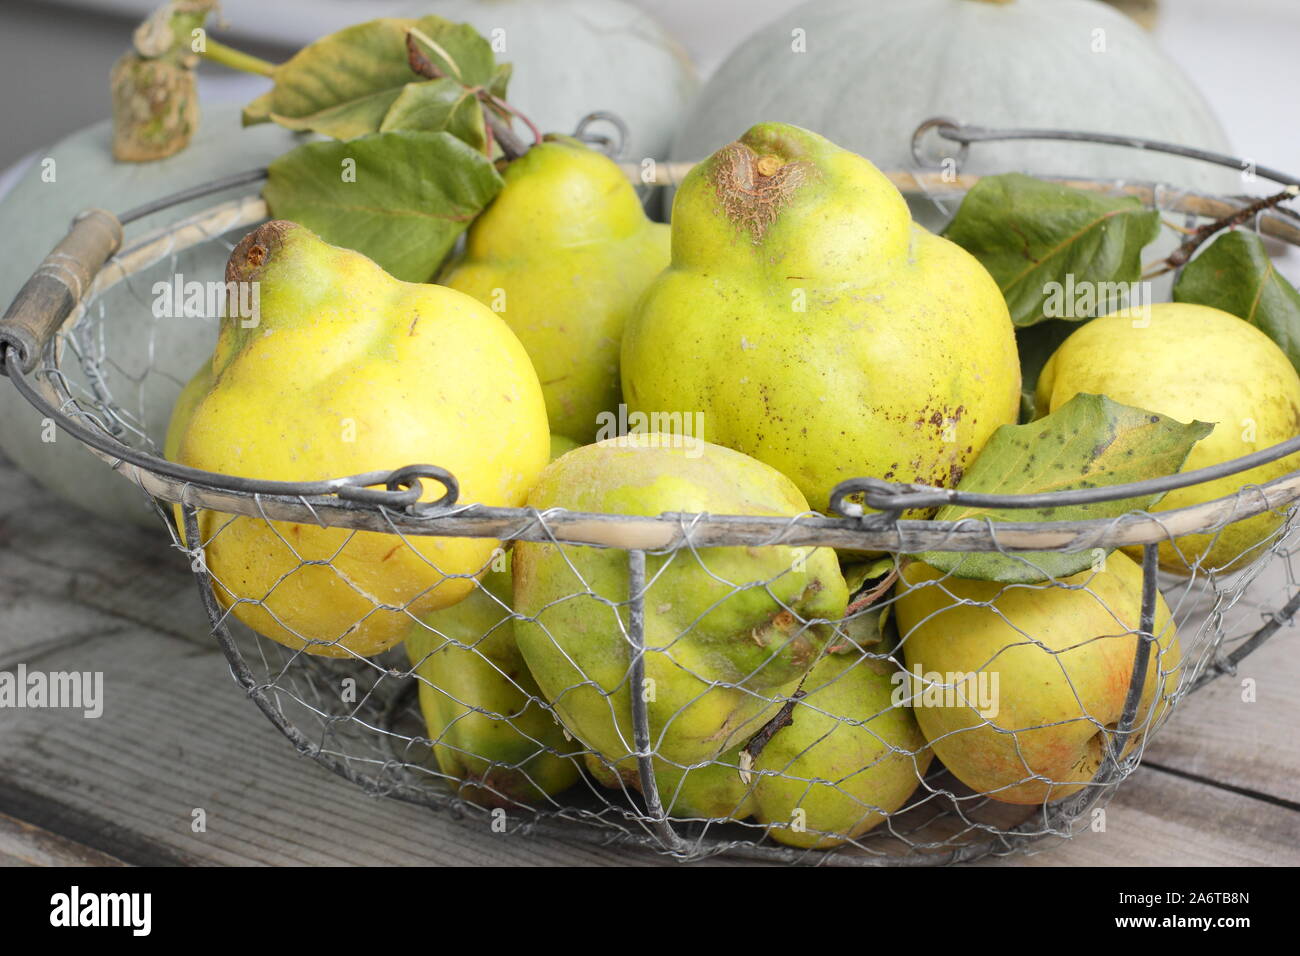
1221, 784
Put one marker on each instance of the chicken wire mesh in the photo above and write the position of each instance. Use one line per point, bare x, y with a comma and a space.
364, 718
826, 740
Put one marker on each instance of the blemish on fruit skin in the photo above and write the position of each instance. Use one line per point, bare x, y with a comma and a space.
751, 191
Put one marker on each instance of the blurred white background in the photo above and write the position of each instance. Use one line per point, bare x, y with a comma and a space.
55, 56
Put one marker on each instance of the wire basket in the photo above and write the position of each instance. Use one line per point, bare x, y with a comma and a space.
598, 759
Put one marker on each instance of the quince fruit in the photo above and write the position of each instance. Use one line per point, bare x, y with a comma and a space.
562, 254
347, 370
728, 631
850, 756
816, 327
482, 707
716, 790
1192, 363
1019, 689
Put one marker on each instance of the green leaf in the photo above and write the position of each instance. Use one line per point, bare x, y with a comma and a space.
866, 629
457, 50
1030, 234
1088, 442
859, 574
414, 193
343, 85
258, 111
1235, 274
501, 80
437, 105
865, 626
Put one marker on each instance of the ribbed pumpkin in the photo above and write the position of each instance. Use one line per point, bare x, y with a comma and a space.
872, 70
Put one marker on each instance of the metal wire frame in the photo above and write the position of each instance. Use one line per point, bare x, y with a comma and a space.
964, 135
354, 502
662, 837
349, 502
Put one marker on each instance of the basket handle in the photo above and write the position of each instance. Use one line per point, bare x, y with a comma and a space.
57, 285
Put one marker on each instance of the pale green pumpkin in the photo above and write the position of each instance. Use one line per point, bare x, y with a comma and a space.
871, 71
148, 359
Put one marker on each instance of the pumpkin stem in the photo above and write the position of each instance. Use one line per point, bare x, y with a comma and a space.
236, 59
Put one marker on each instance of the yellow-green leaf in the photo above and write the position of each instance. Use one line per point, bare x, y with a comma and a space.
1089, 442
436, 105
258, 111
343, 85
457, 50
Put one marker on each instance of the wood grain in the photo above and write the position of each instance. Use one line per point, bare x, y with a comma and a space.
1159, 819
22, 844
1241, 729
58, 285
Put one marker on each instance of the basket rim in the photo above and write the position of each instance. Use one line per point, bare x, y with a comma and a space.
351, 502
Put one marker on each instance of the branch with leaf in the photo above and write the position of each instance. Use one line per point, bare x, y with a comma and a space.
415, 112
1034, 236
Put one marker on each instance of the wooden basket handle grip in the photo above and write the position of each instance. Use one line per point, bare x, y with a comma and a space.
58, 284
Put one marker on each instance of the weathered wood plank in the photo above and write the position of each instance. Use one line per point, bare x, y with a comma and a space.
1160, 819
177, 736
1221, 735
65, 575
22, 844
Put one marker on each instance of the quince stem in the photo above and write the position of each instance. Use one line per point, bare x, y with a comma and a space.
1197, 237
868, 598
784, 718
